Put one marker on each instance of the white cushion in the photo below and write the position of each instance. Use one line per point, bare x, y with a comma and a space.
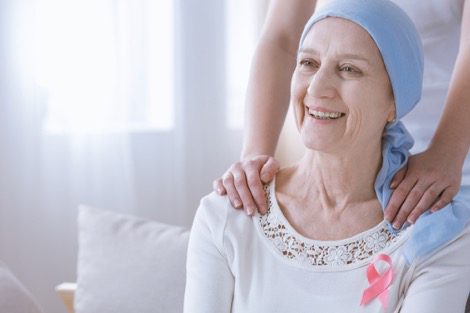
14, 298
129, 264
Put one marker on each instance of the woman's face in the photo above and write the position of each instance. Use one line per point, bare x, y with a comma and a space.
340, 71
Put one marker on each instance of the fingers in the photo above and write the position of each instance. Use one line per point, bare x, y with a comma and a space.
425, 203
445, 198
241, 185
420, 199
399, 176
256, 188
413, 198
428, 198
398, 197
232, 193
218, 187
269, 169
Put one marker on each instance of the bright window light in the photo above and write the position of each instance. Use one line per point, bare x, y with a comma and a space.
243, 19
106, 65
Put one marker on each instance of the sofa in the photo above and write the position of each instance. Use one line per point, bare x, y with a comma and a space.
126, 264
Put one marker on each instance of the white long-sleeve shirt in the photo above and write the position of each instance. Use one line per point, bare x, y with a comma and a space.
261, 264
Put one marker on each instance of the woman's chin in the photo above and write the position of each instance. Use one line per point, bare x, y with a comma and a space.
320, 138
320, 143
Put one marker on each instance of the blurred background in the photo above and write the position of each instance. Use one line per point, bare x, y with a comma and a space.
132, 106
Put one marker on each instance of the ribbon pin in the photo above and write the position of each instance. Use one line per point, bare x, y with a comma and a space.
378, 284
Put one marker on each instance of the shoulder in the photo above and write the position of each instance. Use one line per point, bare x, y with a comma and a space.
439, 236
216, 221
213, 210
452, 254
208, 227
217, 212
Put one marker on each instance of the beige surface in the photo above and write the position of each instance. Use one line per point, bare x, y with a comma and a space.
66, 292
290, 147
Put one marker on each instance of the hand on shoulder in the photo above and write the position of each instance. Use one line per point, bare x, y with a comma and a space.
243, 183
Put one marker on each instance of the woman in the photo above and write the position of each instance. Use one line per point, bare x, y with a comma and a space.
324, 245
438, 124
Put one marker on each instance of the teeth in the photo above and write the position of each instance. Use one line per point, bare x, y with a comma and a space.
325, 115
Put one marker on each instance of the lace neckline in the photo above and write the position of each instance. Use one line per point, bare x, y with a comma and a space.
321, 255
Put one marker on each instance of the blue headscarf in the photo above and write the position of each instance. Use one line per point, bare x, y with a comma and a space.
398, 41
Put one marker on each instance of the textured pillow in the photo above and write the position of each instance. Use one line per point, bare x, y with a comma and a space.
14, 298
129, 264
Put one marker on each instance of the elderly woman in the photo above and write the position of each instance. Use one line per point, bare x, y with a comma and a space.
324, 245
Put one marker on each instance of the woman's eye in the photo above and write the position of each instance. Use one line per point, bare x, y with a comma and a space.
349, 69
306, 63
308, 66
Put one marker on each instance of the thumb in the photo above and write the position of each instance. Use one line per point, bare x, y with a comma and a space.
269, 169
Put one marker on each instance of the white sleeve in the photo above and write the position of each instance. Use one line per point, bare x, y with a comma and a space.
209, 280
441, 281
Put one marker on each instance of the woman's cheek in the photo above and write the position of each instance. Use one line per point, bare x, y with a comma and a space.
297, 105
298, 114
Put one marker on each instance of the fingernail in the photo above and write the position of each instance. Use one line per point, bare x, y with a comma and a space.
219, 191
262, 210
434, 209
265, 177
411, 221
392, 185
396, 225
250, 210
388, 218
237, 203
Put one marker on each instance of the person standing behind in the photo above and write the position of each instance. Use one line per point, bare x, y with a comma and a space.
432, 176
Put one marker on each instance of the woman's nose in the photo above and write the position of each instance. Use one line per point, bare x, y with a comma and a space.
322, 84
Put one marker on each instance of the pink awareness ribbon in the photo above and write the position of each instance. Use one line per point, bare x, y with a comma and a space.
378, 284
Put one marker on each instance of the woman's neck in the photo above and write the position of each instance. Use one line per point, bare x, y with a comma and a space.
332, 183
330, 198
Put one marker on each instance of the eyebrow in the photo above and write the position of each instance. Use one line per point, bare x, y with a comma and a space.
344, 55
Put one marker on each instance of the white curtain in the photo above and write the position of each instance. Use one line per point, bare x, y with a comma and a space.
92, 137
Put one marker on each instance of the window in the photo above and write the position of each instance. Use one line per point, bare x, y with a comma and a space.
106, 65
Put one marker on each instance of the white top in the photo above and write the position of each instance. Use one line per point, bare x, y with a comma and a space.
261, 264
438, 23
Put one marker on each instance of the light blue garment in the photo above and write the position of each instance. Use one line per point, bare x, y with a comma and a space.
437, 228
398, 41
463, 195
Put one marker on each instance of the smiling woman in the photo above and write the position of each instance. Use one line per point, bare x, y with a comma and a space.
324, 234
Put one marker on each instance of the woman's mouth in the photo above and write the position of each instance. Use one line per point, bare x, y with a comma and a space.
322, 115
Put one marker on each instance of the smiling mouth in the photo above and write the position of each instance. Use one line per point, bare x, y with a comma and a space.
325, 115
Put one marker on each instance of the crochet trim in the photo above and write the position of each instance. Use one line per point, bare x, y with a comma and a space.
321, 253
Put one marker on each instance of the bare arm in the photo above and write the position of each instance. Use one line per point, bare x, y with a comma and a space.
438, 170
268, 93
453, 132
267, 102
